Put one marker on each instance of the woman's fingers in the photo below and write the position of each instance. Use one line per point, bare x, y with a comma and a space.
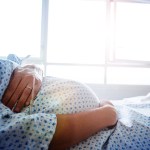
23, 98
24, 85
32, 95
26, 97
28, 94
18, 92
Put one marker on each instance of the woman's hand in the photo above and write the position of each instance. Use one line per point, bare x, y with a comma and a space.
80, 126
23, 87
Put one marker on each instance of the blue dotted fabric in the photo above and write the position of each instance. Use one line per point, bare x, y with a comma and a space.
61, 96
133, 129
7, 66
6, 69
132, 132
65, 96
14, 58
34, 128
23, 131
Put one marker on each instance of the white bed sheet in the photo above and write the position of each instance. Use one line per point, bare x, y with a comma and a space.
139, 100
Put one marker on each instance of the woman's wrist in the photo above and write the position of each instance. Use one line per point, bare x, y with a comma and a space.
110, 115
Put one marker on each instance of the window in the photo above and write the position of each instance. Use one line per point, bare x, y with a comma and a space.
132, 32
76, 39
93, 41
129, 51
87, 74
76, 31
128, 75
20, 27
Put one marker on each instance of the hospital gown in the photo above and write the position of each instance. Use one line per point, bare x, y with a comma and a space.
132, 131
22, 131
34, 127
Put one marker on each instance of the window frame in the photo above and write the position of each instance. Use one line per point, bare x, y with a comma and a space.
110, 60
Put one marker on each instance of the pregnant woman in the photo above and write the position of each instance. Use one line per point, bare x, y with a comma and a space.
48, 113
39, 112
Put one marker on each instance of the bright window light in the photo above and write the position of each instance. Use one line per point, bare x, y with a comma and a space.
20, 27
80, 35
79, 73
133, 31
128, 76
76, 31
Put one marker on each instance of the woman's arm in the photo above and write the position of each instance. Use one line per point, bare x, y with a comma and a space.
74, 128
24, 85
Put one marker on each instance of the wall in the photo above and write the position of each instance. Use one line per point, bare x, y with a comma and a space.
117, 92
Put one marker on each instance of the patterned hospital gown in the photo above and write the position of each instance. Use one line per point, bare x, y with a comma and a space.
22, 131
34, 127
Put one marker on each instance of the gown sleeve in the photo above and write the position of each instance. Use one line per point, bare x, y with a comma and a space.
7, 67
24, 131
